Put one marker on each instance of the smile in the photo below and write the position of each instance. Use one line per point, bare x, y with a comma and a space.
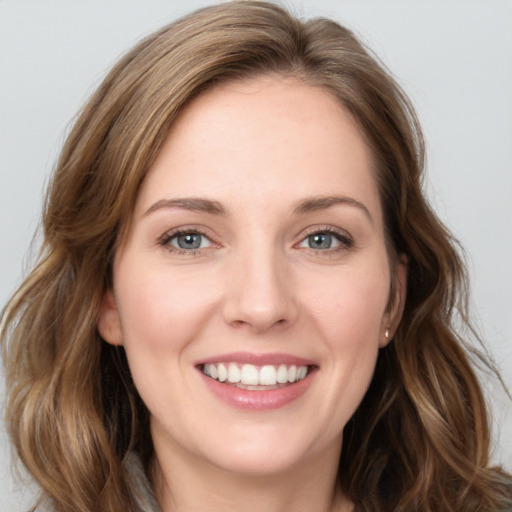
258, 382
252, 377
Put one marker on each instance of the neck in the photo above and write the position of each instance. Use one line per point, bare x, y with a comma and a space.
183, 483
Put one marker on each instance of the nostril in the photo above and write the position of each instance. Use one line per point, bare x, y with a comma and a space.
259, 324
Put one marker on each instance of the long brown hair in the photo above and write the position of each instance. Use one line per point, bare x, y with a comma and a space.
419, 440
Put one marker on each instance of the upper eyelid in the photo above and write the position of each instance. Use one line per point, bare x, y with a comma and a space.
166, 237
200, 230
324, 229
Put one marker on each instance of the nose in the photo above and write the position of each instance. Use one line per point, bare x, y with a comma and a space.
261, 292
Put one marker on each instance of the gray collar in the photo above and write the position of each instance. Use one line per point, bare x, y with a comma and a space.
139, 484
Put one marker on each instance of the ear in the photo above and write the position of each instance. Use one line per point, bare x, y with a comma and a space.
396, 304
109, 323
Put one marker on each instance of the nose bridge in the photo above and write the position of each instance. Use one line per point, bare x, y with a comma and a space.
261, 291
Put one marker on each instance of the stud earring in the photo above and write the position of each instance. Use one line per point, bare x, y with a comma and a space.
387, 334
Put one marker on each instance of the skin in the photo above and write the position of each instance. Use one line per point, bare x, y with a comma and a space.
257, 148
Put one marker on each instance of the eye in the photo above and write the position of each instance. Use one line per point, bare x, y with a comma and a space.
326, 239
321, 241
186, 241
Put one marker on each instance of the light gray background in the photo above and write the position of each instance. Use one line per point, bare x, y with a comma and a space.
453, 57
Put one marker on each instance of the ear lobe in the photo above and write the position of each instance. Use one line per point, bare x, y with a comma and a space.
109, 324
396, 302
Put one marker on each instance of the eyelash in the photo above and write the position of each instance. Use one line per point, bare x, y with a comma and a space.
165, 241
345, 241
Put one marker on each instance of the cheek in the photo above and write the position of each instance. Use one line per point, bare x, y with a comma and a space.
161, 308
349, 316
162, 313
352, 326
350, 306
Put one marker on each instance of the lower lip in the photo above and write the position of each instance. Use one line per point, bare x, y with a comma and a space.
258, 399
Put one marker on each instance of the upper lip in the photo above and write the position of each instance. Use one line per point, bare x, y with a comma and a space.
257, 359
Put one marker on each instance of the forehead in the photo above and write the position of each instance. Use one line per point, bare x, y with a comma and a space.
255, 137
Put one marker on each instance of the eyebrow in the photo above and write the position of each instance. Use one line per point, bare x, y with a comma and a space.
315, 203
307, 205
189, 203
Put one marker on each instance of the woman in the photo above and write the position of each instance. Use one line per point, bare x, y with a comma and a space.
243, 299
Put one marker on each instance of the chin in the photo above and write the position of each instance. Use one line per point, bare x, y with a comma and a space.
259, 462
267, 451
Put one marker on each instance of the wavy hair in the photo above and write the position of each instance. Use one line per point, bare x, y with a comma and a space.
418, 442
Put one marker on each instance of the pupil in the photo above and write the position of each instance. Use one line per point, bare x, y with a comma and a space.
189, 241
320, 241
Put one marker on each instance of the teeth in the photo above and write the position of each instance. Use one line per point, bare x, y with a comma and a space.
223, 372
302, 371
282, 374
268, 376
214, 373
250, 375
234, 373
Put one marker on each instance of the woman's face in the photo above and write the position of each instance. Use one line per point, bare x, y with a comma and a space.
251, 293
